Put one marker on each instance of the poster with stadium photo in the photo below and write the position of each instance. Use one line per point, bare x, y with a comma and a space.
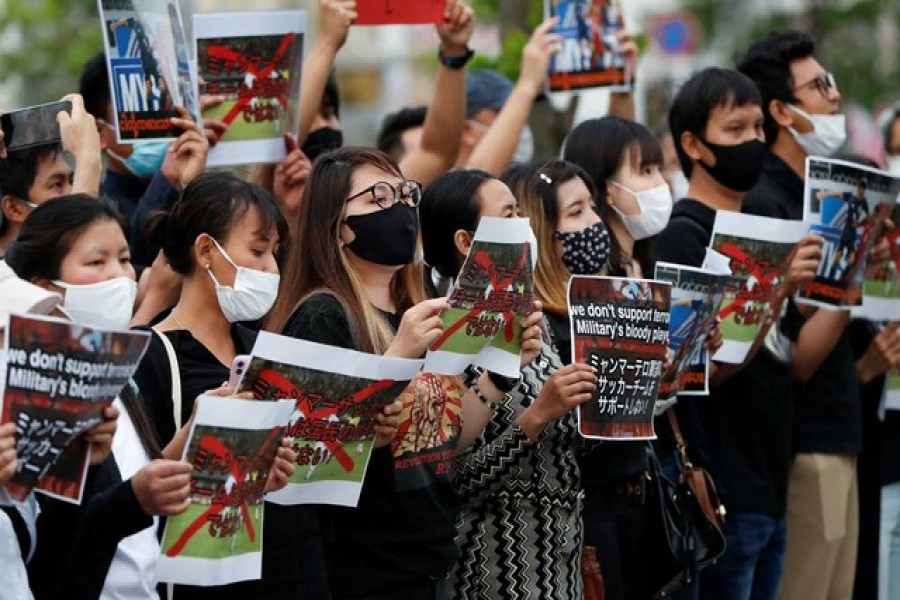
492, 295
697, 296
758, 249
847, 205
252, 60
146, 76
590, 56
231, 448
337, 393
620, 326
59, 378
881, 285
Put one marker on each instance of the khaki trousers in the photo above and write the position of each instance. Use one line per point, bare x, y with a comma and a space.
822, 528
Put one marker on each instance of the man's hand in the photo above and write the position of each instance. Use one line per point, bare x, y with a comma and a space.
457, 30
186, 158
335, 18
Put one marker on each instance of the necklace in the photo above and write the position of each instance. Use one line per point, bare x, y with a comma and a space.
177, 322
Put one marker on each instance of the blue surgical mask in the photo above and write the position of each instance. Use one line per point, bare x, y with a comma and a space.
146, 158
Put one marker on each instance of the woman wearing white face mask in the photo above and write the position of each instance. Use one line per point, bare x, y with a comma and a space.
75, 246
222, 236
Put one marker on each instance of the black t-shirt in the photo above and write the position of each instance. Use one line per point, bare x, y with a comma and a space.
293, 564
601, 463
684, 242
403, 529
826, 409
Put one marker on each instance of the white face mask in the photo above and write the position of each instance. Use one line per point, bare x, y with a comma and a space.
252, 295
655, 205
829, 133
679, 184
105, 305
893, 163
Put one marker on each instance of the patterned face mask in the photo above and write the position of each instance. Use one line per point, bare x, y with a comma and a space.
585, 252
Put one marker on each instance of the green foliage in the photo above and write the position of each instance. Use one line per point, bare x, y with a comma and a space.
509, 62
56, 38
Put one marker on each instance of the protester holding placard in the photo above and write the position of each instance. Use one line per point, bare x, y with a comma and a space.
450, 214
75, 246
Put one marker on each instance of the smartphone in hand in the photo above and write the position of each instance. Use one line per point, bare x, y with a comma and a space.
238, 368
32, 126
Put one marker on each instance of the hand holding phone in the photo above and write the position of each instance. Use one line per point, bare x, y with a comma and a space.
238, 368
32, 126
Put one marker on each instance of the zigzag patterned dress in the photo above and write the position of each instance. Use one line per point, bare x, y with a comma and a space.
519, 531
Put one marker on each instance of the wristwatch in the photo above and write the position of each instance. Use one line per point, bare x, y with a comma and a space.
455, 62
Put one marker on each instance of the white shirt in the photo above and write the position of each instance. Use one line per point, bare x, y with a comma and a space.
132, 573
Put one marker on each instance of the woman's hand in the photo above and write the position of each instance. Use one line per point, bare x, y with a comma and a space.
101, 436
567, 388
386, 424
531, 334
420, 327
163, 487
8, 461
282, 467
714, 339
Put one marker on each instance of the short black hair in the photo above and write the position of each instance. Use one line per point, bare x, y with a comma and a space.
50, 231
94, 86
768, 63
707, 90
18, 171
394, 125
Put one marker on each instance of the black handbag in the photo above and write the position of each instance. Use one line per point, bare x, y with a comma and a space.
683, 525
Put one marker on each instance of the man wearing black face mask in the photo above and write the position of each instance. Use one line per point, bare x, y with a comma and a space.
740, 432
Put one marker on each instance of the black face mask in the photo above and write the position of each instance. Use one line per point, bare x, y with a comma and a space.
737, 167
386, 237
322, 140
585, 252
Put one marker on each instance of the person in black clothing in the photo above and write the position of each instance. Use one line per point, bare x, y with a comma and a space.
624, 160
352, 282
802, 119
222, 236
717, 124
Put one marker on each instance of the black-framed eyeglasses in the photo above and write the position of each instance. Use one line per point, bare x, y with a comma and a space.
824, 83
386, 195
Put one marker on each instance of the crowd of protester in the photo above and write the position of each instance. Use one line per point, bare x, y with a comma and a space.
356, 247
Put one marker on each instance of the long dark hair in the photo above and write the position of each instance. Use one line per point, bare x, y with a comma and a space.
317, 262
600, 147
450, 203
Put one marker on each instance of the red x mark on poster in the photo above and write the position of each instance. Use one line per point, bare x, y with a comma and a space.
238, 470
498, 283
223, 53
385, 12
765, 278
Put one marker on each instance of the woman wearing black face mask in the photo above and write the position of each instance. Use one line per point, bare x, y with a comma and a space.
352, 281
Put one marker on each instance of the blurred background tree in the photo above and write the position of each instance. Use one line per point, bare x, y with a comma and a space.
43, 45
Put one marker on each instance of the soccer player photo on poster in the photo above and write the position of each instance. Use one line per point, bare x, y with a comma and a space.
590, 56
231, 448
252, 60
620, 326
143, 73
847, 205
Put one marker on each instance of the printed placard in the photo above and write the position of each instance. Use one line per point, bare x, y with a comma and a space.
149, 69
590, 55
253, 60
620, 326
59, 379
400, 12
337, 394
759, 249
218, 539
847, 205
493, 293
697, 296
